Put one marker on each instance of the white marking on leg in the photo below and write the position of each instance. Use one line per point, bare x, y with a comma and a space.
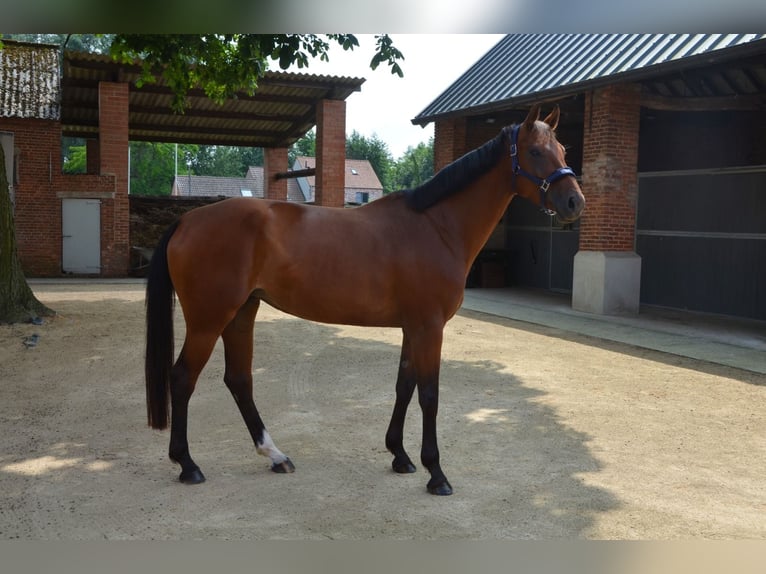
267, 448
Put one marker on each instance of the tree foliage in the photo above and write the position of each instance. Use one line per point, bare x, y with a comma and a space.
224, 64
98, 43
415, 167
73, 155
306, 146
375, 151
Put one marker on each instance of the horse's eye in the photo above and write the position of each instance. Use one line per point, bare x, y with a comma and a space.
534, 152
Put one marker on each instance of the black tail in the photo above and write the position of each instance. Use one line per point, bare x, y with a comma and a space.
159, 333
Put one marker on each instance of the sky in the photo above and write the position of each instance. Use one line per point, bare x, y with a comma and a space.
387, 103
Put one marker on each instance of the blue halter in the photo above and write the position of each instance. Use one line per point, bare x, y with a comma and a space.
543, 184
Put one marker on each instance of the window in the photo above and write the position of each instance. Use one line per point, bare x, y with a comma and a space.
246, 192
362, 197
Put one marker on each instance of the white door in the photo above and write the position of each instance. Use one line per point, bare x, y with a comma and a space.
81, 229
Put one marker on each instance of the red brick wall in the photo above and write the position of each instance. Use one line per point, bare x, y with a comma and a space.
331, 153
274, 162
449, 141
610, 168
92, 160
113, 154
39, 190
37, 215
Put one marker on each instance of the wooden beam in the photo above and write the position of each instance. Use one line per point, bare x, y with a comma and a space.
700, 104
297, 173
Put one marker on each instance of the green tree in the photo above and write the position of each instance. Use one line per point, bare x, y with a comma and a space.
416, 166
152, 167
74, 155
226, 161
98, 43
375, 151
221, 64
306, 146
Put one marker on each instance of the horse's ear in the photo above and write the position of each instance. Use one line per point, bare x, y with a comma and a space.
553, 118
532, 117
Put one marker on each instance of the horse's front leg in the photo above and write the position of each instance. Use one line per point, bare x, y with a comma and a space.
426, 358
428, 396
405, 386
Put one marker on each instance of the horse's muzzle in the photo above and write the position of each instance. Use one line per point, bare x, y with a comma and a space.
569, 205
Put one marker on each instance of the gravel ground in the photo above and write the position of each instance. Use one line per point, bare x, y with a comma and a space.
543, 435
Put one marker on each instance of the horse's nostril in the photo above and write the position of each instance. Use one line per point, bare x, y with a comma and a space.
572, 202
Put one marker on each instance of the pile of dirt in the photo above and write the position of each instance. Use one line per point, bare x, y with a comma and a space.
149, 217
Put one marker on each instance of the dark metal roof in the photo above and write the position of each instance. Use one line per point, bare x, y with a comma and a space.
281, 110
522, 68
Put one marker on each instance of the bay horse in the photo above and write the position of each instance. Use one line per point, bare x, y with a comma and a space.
407, 255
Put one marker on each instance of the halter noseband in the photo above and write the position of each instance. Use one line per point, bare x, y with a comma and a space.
543, 184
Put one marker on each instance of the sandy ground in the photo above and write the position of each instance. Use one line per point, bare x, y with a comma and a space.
543, 435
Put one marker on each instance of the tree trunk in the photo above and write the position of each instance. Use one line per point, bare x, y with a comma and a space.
17, 302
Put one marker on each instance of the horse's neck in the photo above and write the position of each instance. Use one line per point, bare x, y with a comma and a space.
470, 216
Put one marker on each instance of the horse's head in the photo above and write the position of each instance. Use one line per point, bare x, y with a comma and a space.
540, 173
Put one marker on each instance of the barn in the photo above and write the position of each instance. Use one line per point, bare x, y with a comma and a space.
666, 131
79, 224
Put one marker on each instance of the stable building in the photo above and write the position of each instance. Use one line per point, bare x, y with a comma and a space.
667, 132
79, 224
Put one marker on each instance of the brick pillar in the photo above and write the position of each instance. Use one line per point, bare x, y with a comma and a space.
331, 153
92, 159
449, 141
113, 155
274, 162
607, 270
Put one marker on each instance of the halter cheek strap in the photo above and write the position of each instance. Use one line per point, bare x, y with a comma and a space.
542, 184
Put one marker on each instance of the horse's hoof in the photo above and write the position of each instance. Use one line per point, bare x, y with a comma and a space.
441, 489
284, 467
403, 466
192, 477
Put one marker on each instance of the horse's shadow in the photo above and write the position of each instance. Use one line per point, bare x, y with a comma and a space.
516, 468
508, 455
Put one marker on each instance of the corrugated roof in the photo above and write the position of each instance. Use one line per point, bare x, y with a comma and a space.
36, 81
29, 81
525, 67
281, 111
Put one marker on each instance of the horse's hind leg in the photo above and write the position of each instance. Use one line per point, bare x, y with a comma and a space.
405, 386
183, 379
238, 350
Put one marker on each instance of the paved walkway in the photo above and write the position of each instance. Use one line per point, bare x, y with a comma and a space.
733, 342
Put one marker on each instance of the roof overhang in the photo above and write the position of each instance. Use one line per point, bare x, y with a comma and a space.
732, 77
281, 111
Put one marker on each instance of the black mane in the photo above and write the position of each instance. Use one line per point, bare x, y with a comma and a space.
455, 176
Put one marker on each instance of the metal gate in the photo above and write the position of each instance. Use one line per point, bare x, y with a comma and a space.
541, 251
81, 230
701, 235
